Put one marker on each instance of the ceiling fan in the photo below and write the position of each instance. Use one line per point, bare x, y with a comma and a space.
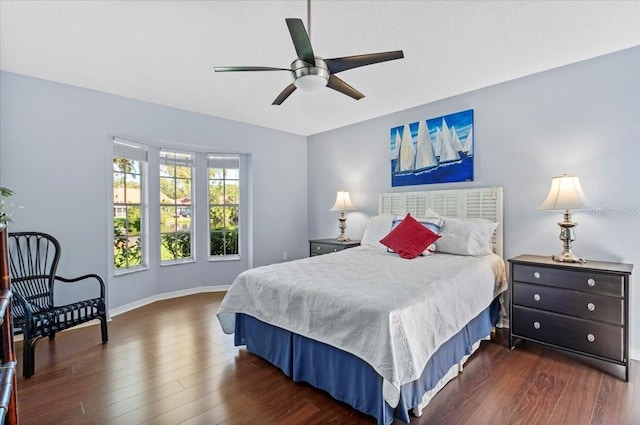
309, 71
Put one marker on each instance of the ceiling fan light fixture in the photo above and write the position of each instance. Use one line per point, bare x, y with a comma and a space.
310, 82
309, 78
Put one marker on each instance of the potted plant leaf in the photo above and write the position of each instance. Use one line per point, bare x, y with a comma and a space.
5, 214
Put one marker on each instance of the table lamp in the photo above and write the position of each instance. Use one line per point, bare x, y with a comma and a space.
343, 203
565, 195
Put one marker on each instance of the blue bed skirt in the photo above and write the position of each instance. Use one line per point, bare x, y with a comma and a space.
348, 378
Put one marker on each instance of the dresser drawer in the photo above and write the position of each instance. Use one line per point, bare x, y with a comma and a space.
576, 334
600, 283
319, 248
582, 304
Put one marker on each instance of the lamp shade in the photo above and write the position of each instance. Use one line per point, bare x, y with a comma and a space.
566, 194
343, 202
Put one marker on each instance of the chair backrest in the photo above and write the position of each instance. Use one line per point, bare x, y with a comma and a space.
33, 260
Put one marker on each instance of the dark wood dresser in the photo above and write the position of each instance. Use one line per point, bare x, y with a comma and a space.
581, 308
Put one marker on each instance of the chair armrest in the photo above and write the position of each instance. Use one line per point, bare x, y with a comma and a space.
26, 305
83, 277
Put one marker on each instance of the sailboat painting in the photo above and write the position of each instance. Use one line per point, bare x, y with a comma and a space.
435, 150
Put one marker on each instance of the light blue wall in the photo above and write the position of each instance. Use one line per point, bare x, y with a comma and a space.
55, 153
582, 119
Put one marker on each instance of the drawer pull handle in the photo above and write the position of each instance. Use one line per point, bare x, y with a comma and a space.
591, 338
536, 275
318, 248
591, 306
536, 297
536, 325
591, 282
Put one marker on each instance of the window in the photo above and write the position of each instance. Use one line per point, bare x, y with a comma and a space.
224, 205
129, 174
176, 206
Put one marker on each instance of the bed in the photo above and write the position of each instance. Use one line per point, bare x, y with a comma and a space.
374, 330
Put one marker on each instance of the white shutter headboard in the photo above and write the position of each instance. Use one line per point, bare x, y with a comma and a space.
459, 203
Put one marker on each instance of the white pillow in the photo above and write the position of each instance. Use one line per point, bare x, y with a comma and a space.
377, 228
471, 236
431, 213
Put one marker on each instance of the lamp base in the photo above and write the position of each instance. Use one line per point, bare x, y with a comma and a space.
343, 226
568, 257
567, 236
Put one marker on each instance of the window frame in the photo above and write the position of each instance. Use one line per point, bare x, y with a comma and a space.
179, 159
221, 161
136, 152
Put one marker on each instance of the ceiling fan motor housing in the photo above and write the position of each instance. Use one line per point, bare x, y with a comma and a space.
309, 77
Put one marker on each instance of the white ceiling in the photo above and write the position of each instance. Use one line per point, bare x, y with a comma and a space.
164, 51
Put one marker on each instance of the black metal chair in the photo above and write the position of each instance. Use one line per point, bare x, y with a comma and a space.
33, 258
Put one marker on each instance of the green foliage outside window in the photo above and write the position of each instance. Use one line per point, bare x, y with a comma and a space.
127, 252
223, 243
177, 246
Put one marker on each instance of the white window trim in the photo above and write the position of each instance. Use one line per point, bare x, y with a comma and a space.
136, 152
233, 159
192, 164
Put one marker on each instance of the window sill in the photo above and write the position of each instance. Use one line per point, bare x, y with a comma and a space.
177, 262
117, 273
216, 258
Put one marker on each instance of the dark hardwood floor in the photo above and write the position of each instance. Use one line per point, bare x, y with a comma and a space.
170, 363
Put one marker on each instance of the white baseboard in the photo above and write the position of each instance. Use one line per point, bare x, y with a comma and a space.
634, 354
167, 295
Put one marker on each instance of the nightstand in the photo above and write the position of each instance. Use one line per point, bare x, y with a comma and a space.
581, 308
326, 246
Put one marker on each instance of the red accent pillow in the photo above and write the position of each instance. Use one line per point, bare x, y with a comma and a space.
409, 238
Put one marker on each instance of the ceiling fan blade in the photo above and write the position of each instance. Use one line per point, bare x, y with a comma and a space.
247, 68
301, 40
284, 94
336, 65
338, 85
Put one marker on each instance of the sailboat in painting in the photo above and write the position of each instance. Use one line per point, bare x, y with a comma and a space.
448, 151
406, 158
395, 156
425, 156
468, 144
457, 145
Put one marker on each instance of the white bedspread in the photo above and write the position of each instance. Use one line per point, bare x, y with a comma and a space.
390, 312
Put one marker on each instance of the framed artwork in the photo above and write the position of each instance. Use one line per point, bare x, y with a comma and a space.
435, 150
